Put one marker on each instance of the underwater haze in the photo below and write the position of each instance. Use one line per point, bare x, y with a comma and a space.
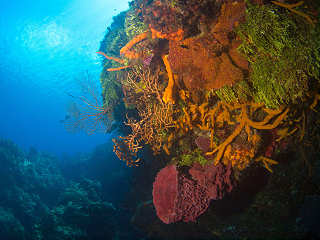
49, 177
45, 47
159, 119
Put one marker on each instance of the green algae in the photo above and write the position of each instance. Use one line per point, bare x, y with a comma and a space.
283, 52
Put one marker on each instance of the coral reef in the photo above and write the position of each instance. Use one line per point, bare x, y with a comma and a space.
219, 89
43, 197
30, 184
78, 205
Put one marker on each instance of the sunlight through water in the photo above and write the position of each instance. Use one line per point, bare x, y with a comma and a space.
45, 48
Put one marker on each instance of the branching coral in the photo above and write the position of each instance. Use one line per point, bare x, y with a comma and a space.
176, 36
245, 123
266, 162
86, 112
315, 102
126, 149
126, 49
126, 52
155, 117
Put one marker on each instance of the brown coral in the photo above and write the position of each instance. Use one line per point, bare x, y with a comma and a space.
168, 17
231, 14
160, 16
211, 60
199, 63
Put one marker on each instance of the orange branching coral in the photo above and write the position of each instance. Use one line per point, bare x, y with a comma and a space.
111, 58
240, 147
185, 121
284, 133
116, 60
125, 153
126, 49
176, 36
155, 116
266, 161
244, 122
221, 148
167, 95
241, 152
218, 115
129, 54
118, 68
168, 144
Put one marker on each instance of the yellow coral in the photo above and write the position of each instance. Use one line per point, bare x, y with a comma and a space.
245, 122
266, 161
239, 158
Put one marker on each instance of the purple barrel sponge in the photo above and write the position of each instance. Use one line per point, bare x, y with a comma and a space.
216, 179
177, 198
165, 194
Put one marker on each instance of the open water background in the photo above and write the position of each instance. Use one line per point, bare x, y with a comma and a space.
45, 46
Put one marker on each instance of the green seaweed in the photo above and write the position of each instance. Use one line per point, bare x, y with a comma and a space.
114, 39
283, 51
189, 158
133, 24
239, 92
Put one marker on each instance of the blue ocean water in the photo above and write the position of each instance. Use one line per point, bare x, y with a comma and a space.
45, 47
